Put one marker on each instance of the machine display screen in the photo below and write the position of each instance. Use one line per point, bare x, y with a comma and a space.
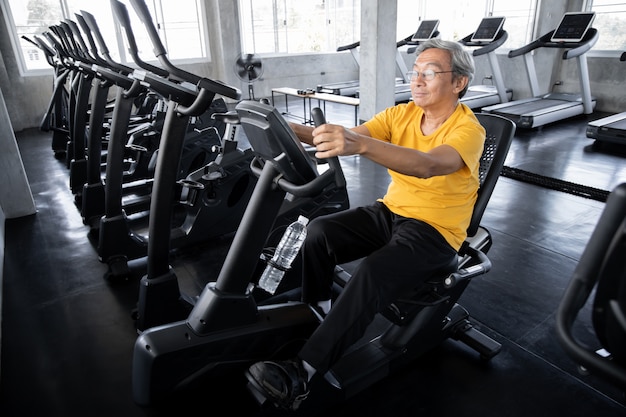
425, 31
573, 27
488, 29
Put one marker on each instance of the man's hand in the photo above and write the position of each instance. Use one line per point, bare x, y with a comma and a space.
334, 140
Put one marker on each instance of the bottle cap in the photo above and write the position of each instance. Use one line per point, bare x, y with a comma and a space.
303, 220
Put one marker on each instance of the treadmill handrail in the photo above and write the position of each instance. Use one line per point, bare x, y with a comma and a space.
354, 45
574, 49
348, 47
485, 47
404, 41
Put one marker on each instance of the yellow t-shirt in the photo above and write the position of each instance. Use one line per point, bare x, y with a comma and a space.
446, 201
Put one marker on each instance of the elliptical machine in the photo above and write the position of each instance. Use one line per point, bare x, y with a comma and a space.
193, 206
215, 208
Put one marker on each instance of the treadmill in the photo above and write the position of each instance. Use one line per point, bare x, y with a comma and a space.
351, 88
343, 88
488, 37
574, 34
609, 129
426, 30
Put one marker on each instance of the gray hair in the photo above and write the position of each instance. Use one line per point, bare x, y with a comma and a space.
460, 58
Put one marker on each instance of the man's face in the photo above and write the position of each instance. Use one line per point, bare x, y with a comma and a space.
442, 88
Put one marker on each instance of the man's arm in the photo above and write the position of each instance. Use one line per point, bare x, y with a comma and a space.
332, 140
305, 133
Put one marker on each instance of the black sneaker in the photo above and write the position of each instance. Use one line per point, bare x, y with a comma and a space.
282, 382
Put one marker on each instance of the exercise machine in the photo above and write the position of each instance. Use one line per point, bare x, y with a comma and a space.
134, 140
488, 37
81, 80
217, 195
351, 88
56, 117
343, 88
227, 329
611, 129
574, 34
426, 30
600, 270
136, 155
207, 201
402, 92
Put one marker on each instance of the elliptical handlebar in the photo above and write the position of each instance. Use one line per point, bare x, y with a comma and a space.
121, 14
93, 31
174, 72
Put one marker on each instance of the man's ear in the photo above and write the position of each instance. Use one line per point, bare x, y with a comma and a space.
460, 82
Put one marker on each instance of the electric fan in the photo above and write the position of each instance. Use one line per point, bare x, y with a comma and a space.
248, 68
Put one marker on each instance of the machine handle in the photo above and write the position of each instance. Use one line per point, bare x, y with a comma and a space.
319, 119
318, 116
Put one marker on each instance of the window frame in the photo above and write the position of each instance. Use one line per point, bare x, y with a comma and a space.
604, 53
420, 12
331, 8
118, 43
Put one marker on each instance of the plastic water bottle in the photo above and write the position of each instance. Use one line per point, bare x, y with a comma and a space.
285, 253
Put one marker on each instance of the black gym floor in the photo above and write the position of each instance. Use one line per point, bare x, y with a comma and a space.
68, 334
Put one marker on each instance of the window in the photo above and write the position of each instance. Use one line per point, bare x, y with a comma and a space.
292, 26
29, 18
460, 18
179, 23
610, 21
520, 21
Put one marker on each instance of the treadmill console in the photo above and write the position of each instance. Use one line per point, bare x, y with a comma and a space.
425, 31
488, 29
573, 27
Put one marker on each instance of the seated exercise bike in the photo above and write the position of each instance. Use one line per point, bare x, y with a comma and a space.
601, 268
228, 329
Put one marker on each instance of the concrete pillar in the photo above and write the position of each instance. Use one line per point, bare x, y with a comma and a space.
377, 56
16, 199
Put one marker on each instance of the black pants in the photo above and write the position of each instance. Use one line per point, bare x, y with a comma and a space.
400, 253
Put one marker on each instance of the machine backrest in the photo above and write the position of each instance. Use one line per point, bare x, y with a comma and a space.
601, 266
499, 133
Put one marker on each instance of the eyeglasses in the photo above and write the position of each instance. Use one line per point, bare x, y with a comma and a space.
427, 75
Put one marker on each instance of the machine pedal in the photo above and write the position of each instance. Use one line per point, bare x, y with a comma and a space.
480, 342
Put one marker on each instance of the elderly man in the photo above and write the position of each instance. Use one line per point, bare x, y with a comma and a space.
431, 148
